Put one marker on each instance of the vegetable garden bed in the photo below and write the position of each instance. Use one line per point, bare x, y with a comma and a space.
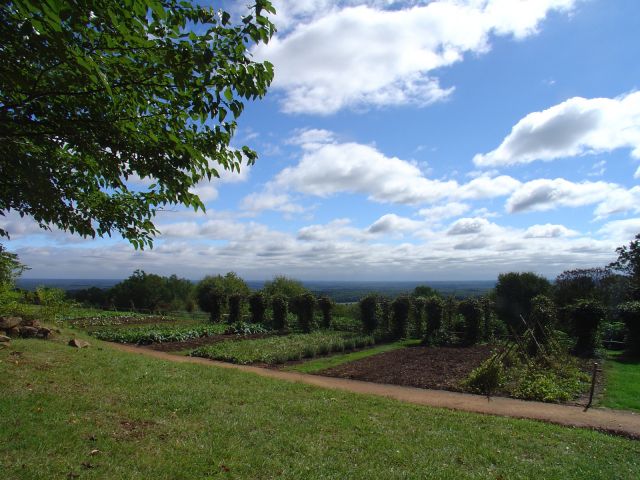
281, 349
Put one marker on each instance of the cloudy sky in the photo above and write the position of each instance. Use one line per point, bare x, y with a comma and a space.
412, 140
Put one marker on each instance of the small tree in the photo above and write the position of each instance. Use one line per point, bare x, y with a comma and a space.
235, 307
514, 292
368, 316
400, 317
326, 307
629, 313
434, 309
304, 306
542, 319
257, 307
628, 263
419, 304
586, 316
279, 307
471, 310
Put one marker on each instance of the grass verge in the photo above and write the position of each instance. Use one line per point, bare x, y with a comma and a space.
98, 413
319, 364
622, 382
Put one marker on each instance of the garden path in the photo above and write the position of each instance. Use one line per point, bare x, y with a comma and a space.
612, 421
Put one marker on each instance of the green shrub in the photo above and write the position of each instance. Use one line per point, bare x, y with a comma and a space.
434, 309
541, 321
235, 308
368, 315
419, 304
326, 307
472, 313
586, 317
279, 307
400, 316
487, 378
257, 307
304, 307
629, 313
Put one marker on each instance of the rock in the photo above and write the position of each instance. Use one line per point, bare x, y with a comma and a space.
44, 332
4, 339
28, 332
13, 332
77, 343
30, 323
9, 322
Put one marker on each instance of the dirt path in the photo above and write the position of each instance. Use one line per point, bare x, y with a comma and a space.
612, 421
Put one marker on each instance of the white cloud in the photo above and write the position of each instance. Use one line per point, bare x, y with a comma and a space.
280, 202
394, 224
333, 231
577, 126
329, 168
637, 174
341, 56
546, 194
441, 212
467, 226
549, 230
621, 231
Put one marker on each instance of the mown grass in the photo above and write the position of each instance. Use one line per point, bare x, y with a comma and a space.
162, 420
622, 382
281, 349
319, 364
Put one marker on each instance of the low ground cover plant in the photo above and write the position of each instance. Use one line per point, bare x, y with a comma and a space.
281, 349
158, 333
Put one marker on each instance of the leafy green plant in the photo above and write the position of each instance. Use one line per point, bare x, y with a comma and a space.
157, 333
244, 328
486, 378
280, 349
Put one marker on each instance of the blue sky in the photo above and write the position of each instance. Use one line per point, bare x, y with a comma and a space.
412, 140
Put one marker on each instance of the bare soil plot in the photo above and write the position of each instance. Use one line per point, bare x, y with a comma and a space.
440, 368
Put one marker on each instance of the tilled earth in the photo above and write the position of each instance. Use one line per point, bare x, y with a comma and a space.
422, 367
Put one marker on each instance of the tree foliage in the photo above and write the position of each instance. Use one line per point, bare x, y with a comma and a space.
95, 94
281, 285
514, 292
212, 292
400, 308
326, 307
472, 311
368, 313
628, 263
10, 267
148, 291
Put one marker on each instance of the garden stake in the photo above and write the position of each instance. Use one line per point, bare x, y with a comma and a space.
593, 385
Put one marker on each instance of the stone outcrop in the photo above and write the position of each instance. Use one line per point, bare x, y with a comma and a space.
77, 343
12, 327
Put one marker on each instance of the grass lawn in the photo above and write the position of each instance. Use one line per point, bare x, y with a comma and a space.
98, 413
316, 365
622, 382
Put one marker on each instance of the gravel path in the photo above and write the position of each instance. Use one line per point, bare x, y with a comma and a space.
612, 421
